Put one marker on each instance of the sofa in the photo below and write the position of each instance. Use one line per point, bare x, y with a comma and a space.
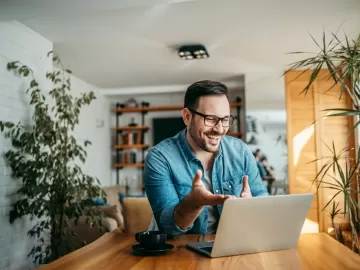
122, 213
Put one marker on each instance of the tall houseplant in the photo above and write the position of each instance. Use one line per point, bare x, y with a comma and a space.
342, 58
54, 191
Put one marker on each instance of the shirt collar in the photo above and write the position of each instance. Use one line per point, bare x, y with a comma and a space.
190, 155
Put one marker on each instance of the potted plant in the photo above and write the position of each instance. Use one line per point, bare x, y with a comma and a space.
342, 58
54, 191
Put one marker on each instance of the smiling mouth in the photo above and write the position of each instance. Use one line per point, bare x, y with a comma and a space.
214, 139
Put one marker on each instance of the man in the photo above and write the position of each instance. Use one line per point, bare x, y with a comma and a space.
266, 172
189, 176
257, 155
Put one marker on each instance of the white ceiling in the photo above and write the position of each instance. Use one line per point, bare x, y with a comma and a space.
132, 43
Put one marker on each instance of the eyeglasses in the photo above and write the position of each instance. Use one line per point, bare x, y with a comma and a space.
213, 120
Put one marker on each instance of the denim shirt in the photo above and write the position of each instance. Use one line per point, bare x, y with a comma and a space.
171, 165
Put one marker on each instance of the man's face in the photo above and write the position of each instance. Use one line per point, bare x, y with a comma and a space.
205, 137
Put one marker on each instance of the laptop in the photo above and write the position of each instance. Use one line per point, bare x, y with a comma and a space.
257, 224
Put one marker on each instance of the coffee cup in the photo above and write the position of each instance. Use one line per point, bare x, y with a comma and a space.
151, 239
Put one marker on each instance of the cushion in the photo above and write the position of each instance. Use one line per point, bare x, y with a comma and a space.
110, 224
112, 194
100, 201
137, 214
112, 211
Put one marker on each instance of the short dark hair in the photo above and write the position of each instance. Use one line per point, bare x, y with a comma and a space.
203, 88
263, 158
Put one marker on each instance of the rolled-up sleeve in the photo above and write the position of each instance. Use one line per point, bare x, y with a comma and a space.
252, 171
161, 192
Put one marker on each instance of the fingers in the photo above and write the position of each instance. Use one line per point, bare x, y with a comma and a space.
246, 191
245, 195
201, 196
230, 197
246, 187
211, 199
197, 179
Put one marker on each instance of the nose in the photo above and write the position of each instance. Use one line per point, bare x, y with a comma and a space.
219, 127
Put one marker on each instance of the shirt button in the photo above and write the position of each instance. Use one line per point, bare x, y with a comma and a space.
217, 191
229, 186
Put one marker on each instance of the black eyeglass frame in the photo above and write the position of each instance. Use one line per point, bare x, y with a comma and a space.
231, 118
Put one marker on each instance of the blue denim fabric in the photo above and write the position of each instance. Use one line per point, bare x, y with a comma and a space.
170, 167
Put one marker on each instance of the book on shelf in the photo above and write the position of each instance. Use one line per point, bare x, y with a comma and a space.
126, 158
130, 138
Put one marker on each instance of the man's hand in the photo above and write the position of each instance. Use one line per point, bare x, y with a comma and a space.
245, 192
200, 196
189, 209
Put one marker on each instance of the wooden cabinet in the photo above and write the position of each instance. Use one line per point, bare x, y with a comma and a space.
308, 133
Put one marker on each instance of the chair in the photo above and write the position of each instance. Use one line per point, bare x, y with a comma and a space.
280, 184
137, 214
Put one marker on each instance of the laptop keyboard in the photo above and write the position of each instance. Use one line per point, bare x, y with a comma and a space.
208, 249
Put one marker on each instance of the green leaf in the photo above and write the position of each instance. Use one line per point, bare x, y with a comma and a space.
340, 109
317, 44
336, 194
344, 113
68, 71
330, 66
324, 169
343, 85
354, 127
33, 83
86, 143
313, 77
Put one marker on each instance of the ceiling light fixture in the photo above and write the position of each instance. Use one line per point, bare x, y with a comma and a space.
189, 52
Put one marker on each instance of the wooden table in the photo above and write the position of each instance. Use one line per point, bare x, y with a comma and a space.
113, 251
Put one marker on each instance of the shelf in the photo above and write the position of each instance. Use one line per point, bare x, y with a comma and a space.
234, 134
161, 108
133, 165
235, 105
132, 128
149, 109
131, 146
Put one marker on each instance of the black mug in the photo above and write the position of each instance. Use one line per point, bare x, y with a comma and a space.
151, 239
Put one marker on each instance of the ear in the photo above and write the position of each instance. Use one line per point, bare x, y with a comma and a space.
186, 115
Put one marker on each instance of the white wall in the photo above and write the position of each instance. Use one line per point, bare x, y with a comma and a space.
271, 124
94, 125
17, 42
265, 101
265, 91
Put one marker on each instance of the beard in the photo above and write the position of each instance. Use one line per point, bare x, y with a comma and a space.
203, 143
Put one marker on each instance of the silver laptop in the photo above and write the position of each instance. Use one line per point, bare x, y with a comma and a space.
257, 224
